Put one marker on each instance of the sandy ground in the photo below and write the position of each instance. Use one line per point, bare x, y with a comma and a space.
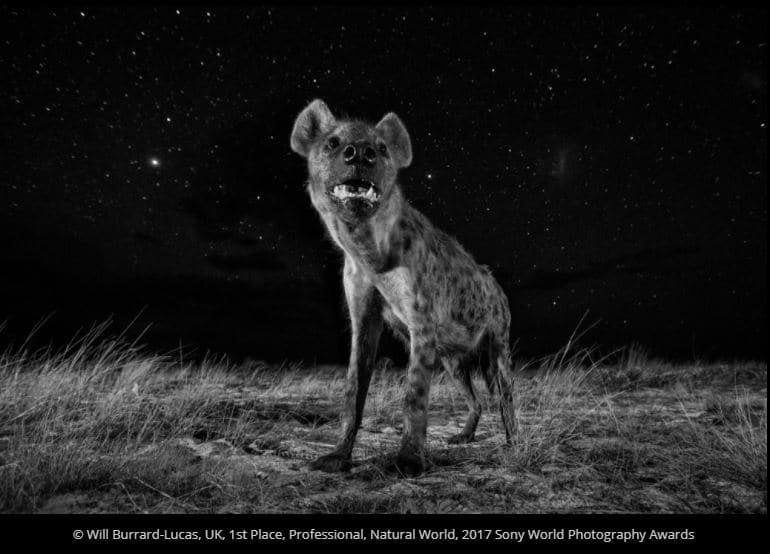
586, 444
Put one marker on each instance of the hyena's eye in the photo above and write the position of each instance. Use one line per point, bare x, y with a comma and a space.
383, 149
334, 142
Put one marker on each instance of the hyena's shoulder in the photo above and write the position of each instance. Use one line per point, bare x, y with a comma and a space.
430, 245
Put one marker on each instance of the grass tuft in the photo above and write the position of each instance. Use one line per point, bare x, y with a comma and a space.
104, 426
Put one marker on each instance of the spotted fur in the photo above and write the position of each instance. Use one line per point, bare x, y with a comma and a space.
402, 272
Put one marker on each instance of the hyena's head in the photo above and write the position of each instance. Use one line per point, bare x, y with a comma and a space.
352, 164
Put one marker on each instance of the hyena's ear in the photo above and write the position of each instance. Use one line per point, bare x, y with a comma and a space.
314, 121
393, 131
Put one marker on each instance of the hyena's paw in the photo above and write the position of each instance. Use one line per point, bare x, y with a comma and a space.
332, 463
461, 438
410, 464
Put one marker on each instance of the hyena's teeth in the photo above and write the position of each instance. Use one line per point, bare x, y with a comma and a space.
344, 191
371, 194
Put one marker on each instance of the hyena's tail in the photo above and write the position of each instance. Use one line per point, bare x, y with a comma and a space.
498, 377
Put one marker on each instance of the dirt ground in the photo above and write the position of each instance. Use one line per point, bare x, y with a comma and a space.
641, 436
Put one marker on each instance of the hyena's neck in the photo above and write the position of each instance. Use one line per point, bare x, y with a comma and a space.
372, 243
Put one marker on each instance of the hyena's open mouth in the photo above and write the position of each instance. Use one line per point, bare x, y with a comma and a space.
361, 189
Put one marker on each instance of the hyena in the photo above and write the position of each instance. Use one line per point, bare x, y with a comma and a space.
401, 271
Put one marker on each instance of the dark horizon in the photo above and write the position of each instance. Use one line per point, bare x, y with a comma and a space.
607, 164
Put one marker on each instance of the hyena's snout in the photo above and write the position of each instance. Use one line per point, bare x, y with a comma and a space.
361, 154
357, 187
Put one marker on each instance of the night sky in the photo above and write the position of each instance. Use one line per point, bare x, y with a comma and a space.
608, 161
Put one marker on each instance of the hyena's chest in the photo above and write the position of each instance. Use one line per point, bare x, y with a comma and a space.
398, 292
458, 316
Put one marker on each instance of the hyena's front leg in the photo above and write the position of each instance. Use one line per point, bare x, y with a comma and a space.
365, 305
422, 359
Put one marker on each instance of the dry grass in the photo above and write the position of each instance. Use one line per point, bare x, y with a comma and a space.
103, 427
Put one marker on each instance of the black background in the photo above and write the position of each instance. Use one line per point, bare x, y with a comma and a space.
610, 161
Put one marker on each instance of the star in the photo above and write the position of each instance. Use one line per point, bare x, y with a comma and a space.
154, 162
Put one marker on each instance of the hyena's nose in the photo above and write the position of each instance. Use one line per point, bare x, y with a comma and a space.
370, 156
350, 154
363, 154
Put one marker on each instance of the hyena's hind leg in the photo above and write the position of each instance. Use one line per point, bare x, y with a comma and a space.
499, 380
463, 379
